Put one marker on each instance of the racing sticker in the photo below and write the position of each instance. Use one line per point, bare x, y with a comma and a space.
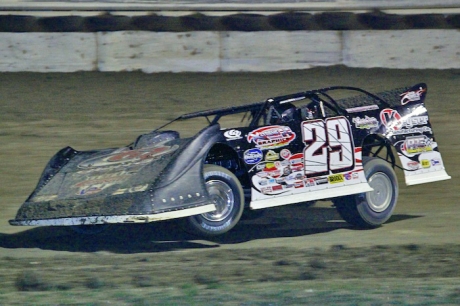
399, 125
285, 154
425, 163
391, 119
365, 123
271, 137
336, 178
272, 155
413, 145
360, 109
252, 156
127, 156
96, 184
413, 165
276, 177
412, 96
233, 134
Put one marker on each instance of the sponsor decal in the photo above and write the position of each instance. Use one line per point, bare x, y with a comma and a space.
425, 163
260, 166
262, 174
233, 134
93, 186
365, 123
362, 109
299, 184
272, 156
412, 96
413, 165
277, 187
285, 154
271, 137
309, 182
252, 156
416, 130
351, 176
416, 120
131, 190
321, 180
93, 189
280, 180
127, 156
271, 170
266, 190
435, 162
391, 119
399, 126
416, 144
296, 159
335, 179
116, 169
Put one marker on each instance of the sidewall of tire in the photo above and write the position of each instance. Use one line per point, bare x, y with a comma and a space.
201, 226
371, 217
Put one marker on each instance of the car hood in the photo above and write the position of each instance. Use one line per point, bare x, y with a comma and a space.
108, 172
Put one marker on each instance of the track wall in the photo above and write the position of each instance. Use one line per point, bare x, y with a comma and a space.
210, 51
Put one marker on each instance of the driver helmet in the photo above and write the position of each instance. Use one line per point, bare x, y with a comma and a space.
311, 111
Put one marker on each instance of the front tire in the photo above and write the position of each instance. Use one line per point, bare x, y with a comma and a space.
373, 208
226, 192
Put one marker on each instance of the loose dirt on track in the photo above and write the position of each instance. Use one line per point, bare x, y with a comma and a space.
292, 255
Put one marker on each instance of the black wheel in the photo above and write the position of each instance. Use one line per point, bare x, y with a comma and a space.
226, 192
371, 209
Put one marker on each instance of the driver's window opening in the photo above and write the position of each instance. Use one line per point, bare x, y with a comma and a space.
235, 120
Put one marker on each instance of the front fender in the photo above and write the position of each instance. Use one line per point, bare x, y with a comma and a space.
182, 183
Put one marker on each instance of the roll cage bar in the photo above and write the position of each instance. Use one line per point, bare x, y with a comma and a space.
258, 109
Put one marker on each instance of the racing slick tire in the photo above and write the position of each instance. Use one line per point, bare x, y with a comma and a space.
225, 190
373, 208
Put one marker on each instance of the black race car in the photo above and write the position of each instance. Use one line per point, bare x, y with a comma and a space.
337, 143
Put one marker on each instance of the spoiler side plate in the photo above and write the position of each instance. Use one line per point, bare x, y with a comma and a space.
427, 177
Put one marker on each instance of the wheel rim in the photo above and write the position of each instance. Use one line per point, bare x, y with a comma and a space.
380, 198
222, 196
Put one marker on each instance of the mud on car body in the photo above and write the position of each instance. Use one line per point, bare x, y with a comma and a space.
337, 143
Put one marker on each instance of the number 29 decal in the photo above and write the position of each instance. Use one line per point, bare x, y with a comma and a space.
329, 147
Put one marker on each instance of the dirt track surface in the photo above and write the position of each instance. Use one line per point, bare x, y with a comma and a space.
41, 113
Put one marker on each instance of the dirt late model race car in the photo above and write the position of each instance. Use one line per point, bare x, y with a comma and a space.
302, 147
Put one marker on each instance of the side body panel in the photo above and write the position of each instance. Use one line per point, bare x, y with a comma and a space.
306, 160
301, 161
407, 126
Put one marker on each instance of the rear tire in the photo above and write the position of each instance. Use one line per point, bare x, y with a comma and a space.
225, 190
373, 208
